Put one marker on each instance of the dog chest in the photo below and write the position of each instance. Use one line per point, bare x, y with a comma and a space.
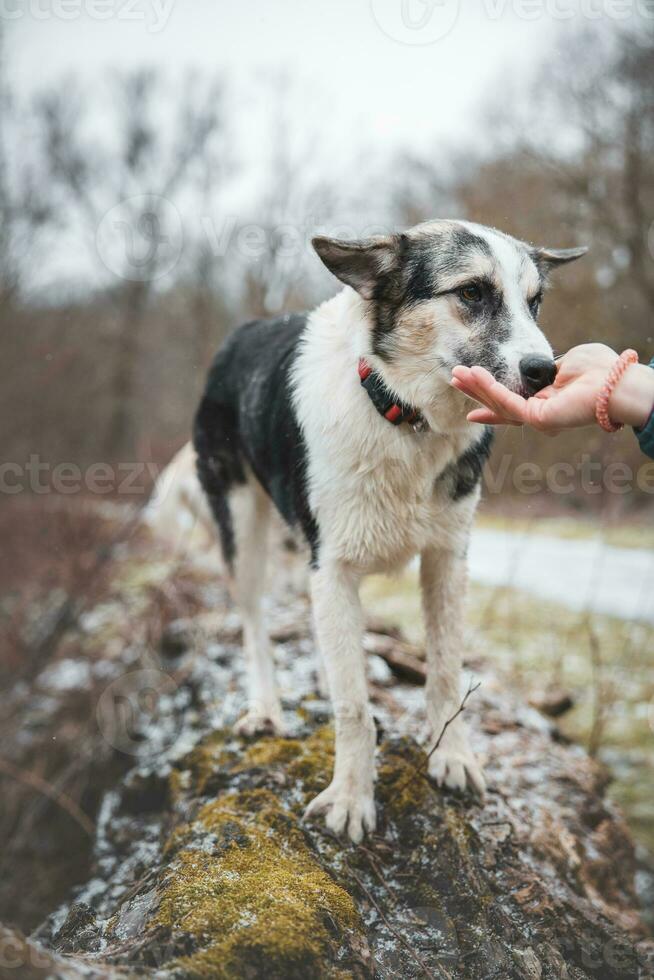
378, 512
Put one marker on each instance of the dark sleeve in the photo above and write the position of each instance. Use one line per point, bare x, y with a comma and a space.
645, 435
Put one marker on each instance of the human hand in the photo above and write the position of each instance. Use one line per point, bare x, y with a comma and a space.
567, 403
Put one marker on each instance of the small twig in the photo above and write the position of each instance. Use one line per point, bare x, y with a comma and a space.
34, 811
398, 935
374, 864
419, 770
597, 727
57, 796
471, 690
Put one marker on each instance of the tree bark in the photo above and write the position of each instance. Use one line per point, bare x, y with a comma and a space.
203, 866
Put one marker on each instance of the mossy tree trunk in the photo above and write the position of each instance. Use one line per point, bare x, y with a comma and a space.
204, 868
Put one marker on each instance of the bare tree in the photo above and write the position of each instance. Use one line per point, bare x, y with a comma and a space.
596, 147
274, 256
25, 211
125, 197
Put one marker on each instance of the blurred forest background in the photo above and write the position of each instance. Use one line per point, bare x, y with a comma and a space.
140, 177
112, 370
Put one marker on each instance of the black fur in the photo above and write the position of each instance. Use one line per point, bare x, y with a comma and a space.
464, 475
421, 265
464, 240
219, 464
420, 285
246, 417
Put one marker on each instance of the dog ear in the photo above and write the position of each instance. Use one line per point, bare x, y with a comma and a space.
358, 264
550, 258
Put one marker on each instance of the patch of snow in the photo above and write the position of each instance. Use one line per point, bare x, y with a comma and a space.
585, 574
66, 675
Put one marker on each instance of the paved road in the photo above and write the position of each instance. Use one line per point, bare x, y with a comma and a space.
580, 574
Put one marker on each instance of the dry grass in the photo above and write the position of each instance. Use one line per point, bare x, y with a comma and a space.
605, 663
61, 560
620, 535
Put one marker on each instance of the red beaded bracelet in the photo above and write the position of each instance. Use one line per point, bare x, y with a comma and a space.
625, 360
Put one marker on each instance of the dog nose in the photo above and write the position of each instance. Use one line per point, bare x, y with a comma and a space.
537, 372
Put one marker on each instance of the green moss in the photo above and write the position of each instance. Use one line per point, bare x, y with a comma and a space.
460, 829
207, 759
402, 782
177, 784
259, 904
230, 810
269, 752
309, 762
313, 766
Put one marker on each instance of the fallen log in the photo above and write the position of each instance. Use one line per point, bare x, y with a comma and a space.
204, 867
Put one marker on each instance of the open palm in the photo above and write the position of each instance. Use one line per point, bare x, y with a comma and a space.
567, 403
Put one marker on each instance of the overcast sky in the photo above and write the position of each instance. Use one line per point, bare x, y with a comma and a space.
371, 75
401, 72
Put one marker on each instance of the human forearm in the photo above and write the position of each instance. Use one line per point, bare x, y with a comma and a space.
633, 399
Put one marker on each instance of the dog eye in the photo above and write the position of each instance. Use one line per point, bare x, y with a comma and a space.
534, 304
470, 294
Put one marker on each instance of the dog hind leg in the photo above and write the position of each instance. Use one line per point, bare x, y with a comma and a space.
250, 510
242, 513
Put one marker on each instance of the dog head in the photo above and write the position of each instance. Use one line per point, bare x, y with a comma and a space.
446, 293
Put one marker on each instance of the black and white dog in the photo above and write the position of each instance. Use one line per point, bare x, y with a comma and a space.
344, 419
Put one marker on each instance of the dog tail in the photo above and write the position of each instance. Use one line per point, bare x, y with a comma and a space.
178, 512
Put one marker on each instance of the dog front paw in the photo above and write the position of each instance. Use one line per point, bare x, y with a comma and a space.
457, 770
454, 764
261, 721
345, 809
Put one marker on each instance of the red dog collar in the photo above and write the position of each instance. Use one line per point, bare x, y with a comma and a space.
393, 411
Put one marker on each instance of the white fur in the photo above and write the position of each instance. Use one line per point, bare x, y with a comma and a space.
372, 489
375, 493
518, 278
178, 511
